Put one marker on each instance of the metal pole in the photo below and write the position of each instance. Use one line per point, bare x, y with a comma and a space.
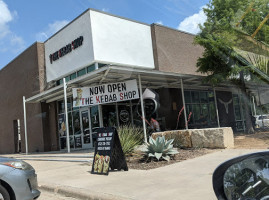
100, 112
25, 126
131, 111
183, 100
241, 110
66, 117
254, 107
216, 105
260, 106
142, 109
117, 115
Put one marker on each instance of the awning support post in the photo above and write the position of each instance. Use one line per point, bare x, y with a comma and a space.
216, 105
142, 109
25, 126
66, 116
183, 100
254, 107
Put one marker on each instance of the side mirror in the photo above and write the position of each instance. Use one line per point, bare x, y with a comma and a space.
243, 178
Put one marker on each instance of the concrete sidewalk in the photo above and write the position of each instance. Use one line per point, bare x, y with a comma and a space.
187, 180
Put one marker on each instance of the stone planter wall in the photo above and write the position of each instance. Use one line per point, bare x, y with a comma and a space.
199, 138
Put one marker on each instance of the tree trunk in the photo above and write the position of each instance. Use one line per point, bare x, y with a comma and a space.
245, 100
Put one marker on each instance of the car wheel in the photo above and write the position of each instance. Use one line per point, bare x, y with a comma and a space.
4, 193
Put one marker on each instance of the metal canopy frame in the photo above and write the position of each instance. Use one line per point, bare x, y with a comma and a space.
147, 78
150, 78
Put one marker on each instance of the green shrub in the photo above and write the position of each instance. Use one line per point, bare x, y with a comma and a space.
160, 148
130, 137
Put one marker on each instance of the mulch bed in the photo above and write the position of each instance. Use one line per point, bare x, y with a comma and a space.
141, 163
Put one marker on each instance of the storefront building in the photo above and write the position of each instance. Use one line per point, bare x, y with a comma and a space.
124, 65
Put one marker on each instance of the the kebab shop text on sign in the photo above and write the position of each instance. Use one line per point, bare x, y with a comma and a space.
106, 93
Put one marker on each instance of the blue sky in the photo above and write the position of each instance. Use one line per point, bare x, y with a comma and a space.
22, 22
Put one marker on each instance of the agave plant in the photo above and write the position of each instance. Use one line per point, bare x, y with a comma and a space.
160, 148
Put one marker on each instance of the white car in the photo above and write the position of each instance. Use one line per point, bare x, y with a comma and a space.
18, 180
262, 121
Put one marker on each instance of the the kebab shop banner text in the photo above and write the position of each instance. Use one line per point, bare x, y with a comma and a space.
106, 93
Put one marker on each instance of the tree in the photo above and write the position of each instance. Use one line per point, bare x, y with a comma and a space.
228, 27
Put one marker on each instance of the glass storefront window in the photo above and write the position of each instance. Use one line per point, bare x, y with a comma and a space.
109, 115
101, 65
196, 112
195, 97
212, 112
187, 95
202, 106
95, 117
81, 72
203, 97
204, 109
67, 78
59, 82
73, 76
61, 105
211, 97
136, 111
124, 113
237, 107
188, 110
76, 122
91, 68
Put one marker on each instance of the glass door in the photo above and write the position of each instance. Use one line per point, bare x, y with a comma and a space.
86, 139
75, 138
95, 123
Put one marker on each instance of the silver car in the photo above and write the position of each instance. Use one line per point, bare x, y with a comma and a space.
18, 180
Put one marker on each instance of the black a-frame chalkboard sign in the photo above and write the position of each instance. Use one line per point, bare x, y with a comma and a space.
108, 152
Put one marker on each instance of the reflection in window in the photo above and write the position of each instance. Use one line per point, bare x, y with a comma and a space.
195, 97
81, 72
203, 97
76, 121
91, 68
202, 106
95, 117
187, 95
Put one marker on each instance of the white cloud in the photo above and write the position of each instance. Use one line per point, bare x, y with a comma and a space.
105, 9
51, 29
9, 41
17, 42
190, 24
5, 14
159, 22
5, 17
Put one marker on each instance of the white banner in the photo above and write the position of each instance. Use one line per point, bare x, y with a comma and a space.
106, 93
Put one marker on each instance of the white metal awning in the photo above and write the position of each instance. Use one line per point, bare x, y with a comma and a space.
149, 78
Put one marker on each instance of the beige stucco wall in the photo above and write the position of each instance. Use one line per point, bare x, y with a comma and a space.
174, 50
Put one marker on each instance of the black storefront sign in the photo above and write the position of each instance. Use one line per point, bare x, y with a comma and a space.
108, 152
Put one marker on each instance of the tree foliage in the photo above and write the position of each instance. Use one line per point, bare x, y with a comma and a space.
228, 28
225, 31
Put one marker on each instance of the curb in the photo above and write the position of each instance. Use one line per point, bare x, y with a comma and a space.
37, 159
79, 193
